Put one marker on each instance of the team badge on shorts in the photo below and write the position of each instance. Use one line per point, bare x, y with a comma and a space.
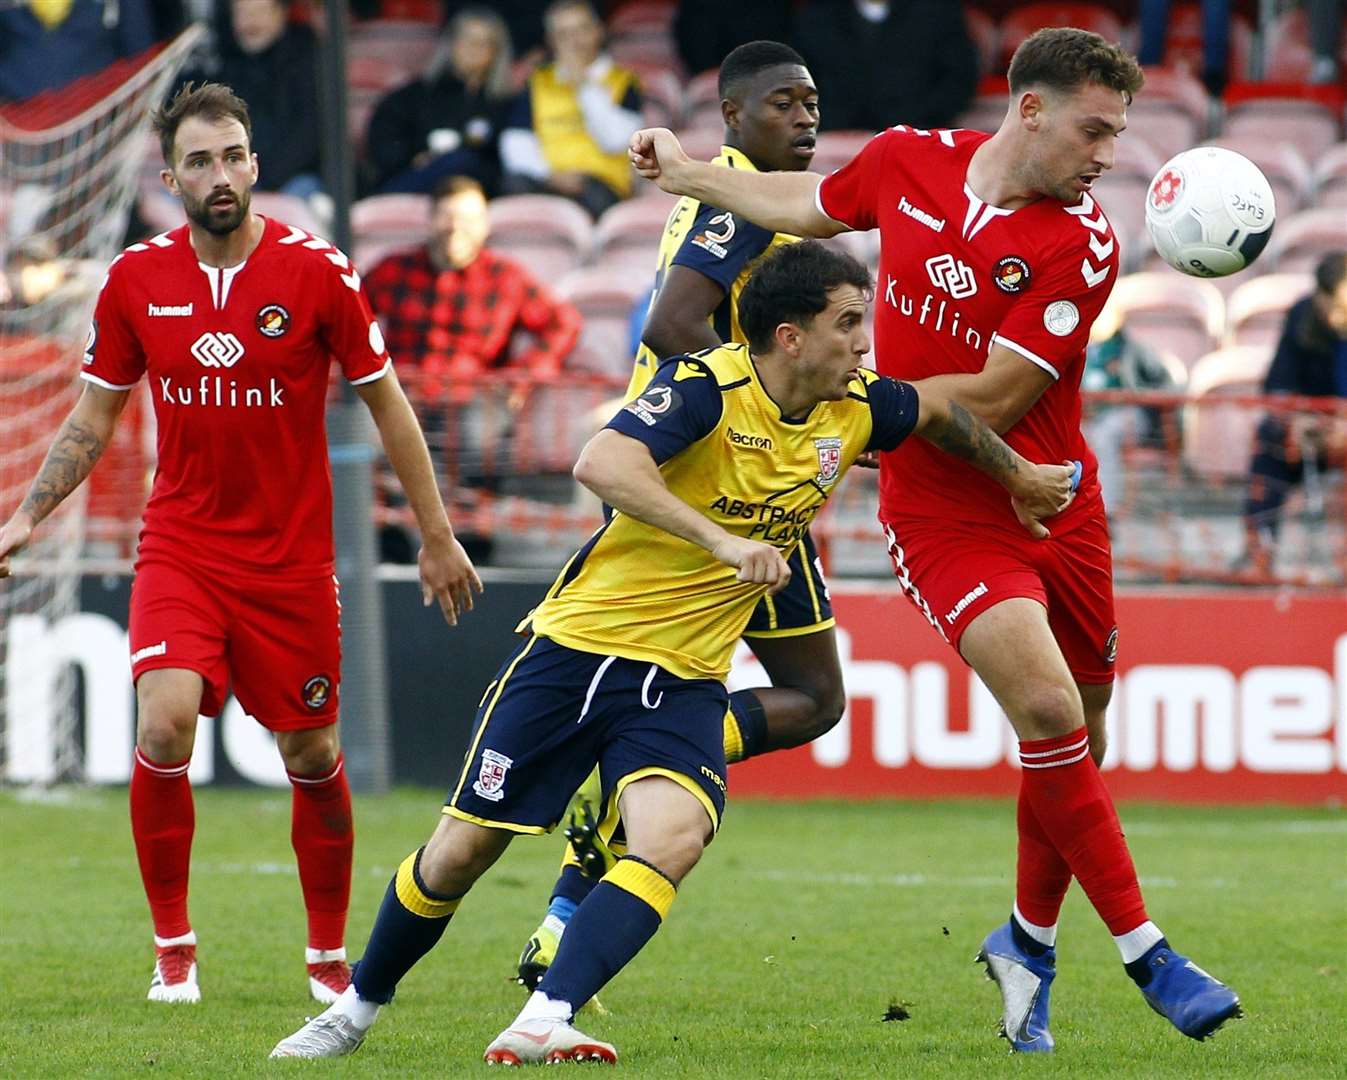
316, 692
829, 459
490, 782
1111, 646
1011, 274
273, 321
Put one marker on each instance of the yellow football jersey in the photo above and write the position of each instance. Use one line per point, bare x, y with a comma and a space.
722, 246
723, 447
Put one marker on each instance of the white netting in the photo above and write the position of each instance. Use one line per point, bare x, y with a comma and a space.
70, 162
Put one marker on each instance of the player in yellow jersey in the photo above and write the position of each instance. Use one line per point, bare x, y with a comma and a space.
713, 474
771, 112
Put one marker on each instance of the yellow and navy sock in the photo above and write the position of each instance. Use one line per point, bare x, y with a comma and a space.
569, 892
745, 727
411, 921
609, 928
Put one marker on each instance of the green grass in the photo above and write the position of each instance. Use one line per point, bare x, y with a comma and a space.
782, 953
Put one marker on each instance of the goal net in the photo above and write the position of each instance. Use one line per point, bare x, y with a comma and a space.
70, 164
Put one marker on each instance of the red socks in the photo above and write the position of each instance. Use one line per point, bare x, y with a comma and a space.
1062, 787
1041, 875
162, 822
323, 837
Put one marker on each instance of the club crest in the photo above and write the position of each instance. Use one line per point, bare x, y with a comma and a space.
490, 782
829, 459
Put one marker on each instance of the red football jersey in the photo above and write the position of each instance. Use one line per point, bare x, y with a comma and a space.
957, 276
238, 362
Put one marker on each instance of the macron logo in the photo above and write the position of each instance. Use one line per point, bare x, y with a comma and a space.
959, 608
179, 310
929, 220
148, 651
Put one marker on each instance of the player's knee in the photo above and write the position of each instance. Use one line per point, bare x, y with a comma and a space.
1046, 711
309, 753
457, 854
676, 849
165, 730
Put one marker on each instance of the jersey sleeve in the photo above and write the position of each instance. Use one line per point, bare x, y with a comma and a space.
680, 405
720, 244
1050, 325
894, 408
851, 194
113, 356
350, 330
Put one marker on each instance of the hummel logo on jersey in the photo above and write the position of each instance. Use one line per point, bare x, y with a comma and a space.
180, 310
218, 350
961, 606
952, 275
150, 650
929, 220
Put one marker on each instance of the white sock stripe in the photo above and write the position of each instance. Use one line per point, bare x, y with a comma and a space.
188, 938
159, 770
1044, 935
341, 764
1084, 741
323, 956
1055, 764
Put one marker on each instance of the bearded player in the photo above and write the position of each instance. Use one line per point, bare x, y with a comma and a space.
771, 111
235, 319
995, 260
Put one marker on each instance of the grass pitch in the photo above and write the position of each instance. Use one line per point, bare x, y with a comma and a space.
804, 924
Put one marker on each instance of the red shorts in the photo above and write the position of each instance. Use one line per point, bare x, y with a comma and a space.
277, 645
955, 572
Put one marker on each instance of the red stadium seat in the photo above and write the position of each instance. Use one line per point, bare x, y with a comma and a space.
1167, 127
986, 37
1330, 177
290, 209
1178, 87
701, 101
662, 94
700, 144
1282, 163
606, 299
634, 223
836, 148
985, 114
1301, 240
1289, 56
1133, 155
1023, 21
1256, 310
374, 73
1278, 113
1183, 40
539, 219
643, 16
1183, 315
1217, 439
1123, 198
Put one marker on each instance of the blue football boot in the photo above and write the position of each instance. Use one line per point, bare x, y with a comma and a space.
1185, 995
1024, 982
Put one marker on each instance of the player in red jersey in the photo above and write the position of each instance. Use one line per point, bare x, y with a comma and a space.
235, 320
995, 260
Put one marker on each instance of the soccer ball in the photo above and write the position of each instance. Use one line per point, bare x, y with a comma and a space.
1209, 211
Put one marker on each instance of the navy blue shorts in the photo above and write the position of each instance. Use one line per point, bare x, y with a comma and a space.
803, 606
552, 713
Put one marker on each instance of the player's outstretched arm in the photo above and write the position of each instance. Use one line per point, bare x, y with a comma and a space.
779, 201
78, 445
447, 574
1039, 491
621, 472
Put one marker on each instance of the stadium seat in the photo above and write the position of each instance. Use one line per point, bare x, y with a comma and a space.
700, 144
645, 50
701, 101
377, 73
985, 114
1289, 56
290, 209
1123, 198
1301, 240
1218, 439
1183, 315
1020, 23
1178, 87
606, 299
1256, 309
1282, 163
540, 221
634, 223
1166, 126
836, 148
986, 38
1330, 177
1133, 155
662, 95
1183, 40
391, 217
1311, 126
643, 16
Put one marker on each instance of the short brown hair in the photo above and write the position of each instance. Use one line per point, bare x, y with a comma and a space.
214, 101
455, 185
1064, 58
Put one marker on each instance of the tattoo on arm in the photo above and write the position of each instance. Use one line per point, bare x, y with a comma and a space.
965, 436
76, 449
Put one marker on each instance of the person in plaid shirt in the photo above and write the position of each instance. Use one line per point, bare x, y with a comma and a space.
450, 308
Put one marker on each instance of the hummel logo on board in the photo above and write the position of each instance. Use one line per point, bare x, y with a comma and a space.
218, 350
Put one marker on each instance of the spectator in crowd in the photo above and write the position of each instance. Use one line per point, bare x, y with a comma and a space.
272, 63
523, 20
1311, 359
1114, 360
447, 122
709, 30
450, 308
46, 44
568, 132
1325, 19
1215, 39
851, 47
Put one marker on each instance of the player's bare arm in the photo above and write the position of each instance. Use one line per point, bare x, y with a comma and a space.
679, 321
780, 201
621, 472
1001, 393
447, 574
78, 445
1039, 491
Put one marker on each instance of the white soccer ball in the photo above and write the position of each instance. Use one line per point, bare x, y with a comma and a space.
1209, 211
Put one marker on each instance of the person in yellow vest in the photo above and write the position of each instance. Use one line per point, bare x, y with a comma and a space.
567, 134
